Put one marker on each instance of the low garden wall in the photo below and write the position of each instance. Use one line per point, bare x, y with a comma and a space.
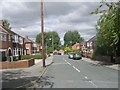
103, 58
107, 59
118, 60
17, 64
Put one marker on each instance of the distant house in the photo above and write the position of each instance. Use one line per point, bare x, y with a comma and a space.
11, 43
83, 47
36, 47
31, 47
76, 46
90, 45
28, 45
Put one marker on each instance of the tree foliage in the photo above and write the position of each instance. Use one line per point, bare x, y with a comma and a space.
71, 37
108, 29
52, 40
6, 24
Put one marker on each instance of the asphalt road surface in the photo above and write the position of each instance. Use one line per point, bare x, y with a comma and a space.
68, 73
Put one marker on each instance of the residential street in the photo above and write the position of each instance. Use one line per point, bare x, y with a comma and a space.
68, 73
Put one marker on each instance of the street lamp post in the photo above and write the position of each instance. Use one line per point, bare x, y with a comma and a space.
52, 42
42, 31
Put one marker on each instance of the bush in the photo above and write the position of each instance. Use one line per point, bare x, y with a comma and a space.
92, 55
31, 56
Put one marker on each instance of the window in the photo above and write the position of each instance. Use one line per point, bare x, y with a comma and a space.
0, 36
3, 37
13, 51
13, 38
21, 51
16, 38
21, 40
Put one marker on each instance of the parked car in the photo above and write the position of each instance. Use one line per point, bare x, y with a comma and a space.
77, 56
70, 55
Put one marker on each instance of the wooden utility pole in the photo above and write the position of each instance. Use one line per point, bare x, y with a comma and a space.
42, 31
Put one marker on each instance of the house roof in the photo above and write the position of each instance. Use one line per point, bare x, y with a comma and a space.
27, 39
8, 30
83, 42
76, 44
92, 39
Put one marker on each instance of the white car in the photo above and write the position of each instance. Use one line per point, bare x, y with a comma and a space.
71, 55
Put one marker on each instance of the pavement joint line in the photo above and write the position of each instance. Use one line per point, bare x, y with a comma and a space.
76, 69
93, 84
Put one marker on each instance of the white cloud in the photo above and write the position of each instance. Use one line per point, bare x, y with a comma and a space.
60, 16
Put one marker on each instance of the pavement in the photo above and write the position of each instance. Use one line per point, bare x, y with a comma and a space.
22, 77
106, 64
69, 73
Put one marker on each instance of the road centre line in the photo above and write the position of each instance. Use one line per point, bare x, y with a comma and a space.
73, 66
93, 84
76, 69
68, 63
86, 77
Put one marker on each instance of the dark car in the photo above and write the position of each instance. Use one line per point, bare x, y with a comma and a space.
77, 56
70, 55
55, 53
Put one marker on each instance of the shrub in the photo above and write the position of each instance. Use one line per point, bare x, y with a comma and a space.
92, 55
31, 56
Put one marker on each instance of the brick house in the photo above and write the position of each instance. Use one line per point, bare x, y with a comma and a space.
76, 46
83, 48
36, 47
11, 44
90, 45
30, 46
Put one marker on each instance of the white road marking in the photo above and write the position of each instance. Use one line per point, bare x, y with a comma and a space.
93, 84
68, 63
76, 69
73, 66
86, 77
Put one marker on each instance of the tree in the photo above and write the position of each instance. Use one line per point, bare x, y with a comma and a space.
52, 40
68, 49
71, 37
6, 24
108, 30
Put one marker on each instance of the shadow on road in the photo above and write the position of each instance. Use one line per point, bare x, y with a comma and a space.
45, 82
13, 79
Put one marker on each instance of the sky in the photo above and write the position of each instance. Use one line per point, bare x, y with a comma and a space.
61, 17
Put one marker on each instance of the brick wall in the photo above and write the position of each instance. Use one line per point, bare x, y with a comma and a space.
118, 60
103, 58
17, 64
